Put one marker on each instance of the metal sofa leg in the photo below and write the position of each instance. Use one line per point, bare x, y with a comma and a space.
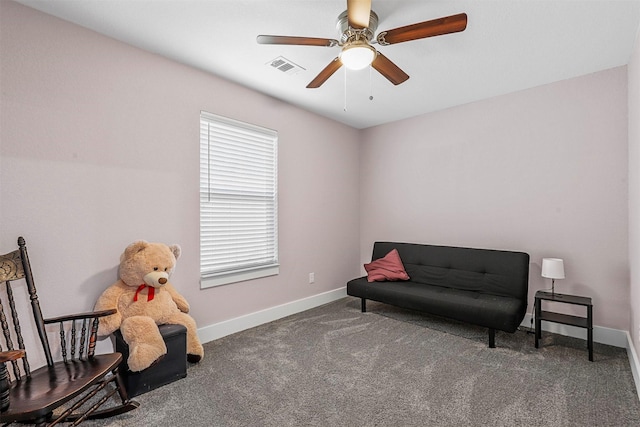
363, 305
492, 338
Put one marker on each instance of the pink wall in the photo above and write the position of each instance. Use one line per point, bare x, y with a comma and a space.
634, 193
542, 171
99, 148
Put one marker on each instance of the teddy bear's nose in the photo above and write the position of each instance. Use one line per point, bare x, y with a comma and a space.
162, 280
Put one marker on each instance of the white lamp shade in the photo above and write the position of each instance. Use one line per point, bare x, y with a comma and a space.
357, 55
552, 268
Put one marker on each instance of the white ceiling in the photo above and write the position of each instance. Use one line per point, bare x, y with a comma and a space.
509, 45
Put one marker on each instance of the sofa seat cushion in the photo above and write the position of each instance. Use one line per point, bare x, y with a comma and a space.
491, 311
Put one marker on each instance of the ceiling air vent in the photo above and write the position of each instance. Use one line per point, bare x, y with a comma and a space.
283, 64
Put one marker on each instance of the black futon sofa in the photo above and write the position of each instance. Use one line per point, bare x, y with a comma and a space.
484, 287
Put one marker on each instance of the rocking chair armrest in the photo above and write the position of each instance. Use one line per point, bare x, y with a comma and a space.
11, 355
80, 316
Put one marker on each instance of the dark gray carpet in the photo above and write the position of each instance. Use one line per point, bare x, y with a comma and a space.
336, 366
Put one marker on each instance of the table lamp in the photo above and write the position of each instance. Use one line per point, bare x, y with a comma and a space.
552, 268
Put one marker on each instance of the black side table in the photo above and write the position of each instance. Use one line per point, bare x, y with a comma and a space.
548, 316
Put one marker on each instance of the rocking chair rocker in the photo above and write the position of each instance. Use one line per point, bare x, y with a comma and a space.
74, 387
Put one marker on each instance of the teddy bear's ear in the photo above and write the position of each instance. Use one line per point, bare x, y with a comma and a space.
176, 250
134, 248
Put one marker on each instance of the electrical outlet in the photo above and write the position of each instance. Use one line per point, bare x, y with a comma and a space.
312, 278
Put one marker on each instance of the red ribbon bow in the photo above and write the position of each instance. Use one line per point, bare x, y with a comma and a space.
150, 294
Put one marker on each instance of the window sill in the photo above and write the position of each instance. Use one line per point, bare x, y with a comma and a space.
226, 279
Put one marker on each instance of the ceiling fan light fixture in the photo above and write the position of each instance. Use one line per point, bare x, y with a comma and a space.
357, 55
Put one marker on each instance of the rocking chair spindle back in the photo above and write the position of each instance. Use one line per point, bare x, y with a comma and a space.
61, 386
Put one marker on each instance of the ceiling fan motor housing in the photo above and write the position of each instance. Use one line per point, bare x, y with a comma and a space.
348, 34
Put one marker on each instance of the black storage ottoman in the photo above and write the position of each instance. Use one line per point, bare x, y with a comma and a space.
172, 367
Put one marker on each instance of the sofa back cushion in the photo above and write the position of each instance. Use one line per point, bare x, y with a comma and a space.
487, 271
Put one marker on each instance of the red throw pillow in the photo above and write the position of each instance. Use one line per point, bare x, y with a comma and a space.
387, 268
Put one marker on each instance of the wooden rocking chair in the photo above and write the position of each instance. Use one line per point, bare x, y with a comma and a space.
74, 387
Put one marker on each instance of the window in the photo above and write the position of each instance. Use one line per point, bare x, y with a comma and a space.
238, 201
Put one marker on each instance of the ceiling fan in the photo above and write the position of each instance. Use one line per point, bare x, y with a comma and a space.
357, 26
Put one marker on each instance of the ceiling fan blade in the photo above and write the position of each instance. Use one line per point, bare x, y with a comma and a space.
358, 12
325, 74
303, 41
391, 71
421, 30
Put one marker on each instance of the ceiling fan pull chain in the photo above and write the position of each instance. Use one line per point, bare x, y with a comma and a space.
370, 83
345, 89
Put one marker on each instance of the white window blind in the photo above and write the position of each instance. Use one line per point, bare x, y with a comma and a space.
238, 201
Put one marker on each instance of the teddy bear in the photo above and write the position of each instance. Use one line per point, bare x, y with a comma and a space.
144, 299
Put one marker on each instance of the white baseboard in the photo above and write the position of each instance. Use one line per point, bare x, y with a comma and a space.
608, 336
231, 326
634, 362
